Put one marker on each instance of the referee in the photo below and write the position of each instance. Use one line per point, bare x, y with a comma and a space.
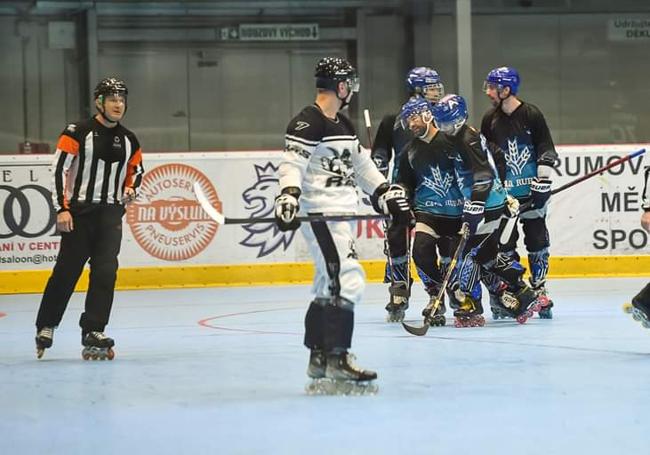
97, 169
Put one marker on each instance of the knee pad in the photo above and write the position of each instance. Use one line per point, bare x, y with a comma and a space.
538, 262
507, 269
491, 281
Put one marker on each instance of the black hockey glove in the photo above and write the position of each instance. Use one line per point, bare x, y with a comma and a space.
286, 209
391, 200
473, 215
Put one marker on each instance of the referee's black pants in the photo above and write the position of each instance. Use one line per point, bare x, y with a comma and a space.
96, 236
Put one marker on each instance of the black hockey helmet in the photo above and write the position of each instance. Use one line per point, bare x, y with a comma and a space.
332, 70
111, 86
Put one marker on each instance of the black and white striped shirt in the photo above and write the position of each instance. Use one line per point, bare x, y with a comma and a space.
93, 164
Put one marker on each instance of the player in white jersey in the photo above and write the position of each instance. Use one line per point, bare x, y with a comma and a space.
321, 166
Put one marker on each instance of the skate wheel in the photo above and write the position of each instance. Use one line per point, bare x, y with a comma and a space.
627, 308
39, 353
458, 324
110, 355
521, 319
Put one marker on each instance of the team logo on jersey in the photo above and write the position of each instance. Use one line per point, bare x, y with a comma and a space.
116, 142
440, 182
300, 125
166, 220
516, 159
339, 164
259, 202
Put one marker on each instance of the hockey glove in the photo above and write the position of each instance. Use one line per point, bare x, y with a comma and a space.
512, 206
286, 209
473, 213
540, 192
391, 200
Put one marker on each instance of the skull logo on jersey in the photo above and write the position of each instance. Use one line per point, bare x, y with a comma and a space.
438, 183
258, 199
339, 164
516, 159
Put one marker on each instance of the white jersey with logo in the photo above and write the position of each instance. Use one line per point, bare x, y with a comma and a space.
323, 158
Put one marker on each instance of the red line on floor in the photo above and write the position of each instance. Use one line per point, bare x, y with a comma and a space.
206, 322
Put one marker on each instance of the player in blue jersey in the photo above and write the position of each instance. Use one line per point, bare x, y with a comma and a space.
388, 146
483, 210
520, 130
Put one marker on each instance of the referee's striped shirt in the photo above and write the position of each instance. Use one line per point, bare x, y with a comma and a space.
93, 164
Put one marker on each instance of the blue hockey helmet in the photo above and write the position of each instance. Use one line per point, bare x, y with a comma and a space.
503, 77
425, 81
450, 113
416, 105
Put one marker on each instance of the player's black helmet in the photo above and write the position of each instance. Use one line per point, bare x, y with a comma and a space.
111, 86
332, 70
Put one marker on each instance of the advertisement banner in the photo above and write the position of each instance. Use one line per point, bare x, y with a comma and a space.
167, 227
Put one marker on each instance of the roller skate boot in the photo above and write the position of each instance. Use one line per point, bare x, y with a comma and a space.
399, 301
97, 346
44, 339
499, 310
529, 303
316, 371
438, 318
470, 313
342, 377
640, 311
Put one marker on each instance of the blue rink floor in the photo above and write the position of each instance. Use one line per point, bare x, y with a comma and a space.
222, 371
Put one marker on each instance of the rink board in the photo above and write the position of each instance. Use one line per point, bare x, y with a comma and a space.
170, 242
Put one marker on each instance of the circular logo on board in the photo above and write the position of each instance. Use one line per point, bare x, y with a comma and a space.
166, 219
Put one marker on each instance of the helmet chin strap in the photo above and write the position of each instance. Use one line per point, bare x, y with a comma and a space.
345, 101
426, 132
106, 117
103, 112
501, 100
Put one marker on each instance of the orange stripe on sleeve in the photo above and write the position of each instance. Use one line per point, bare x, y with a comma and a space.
68, 145
134, 162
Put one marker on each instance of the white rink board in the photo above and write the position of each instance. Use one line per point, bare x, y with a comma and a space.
166, 227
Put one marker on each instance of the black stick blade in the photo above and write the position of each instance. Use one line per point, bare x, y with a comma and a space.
417, 331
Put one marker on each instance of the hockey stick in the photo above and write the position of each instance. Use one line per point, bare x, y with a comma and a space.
420, 331
366, 117
219, 218
512, 221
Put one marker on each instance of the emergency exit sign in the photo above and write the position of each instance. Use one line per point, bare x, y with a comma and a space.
278, 32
